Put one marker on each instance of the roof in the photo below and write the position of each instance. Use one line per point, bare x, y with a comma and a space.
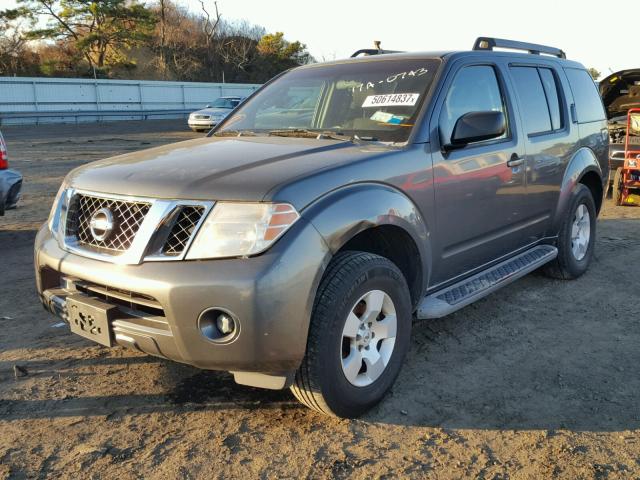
483, 47
449, 55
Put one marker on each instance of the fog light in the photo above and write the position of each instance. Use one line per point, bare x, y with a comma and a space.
218, 325
224, 323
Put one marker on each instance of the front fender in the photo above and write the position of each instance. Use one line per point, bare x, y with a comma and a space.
582, 162
342, 214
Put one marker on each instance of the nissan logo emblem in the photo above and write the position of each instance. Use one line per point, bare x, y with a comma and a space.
101, 224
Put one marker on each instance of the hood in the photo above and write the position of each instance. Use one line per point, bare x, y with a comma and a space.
213, 111
620, 91
210, 168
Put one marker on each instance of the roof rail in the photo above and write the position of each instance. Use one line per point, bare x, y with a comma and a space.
489, 43
373, 51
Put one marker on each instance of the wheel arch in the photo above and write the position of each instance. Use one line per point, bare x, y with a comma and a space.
380, 219
583, 168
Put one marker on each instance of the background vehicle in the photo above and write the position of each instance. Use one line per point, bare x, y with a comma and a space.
207, 118
626, 181
10, 181
620, 91
292, 246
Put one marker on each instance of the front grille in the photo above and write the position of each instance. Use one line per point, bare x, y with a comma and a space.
202, 117
182, 230
127, 218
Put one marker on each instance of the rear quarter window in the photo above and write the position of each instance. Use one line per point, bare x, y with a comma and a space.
585, 94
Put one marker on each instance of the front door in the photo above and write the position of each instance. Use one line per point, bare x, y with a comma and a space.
480, 188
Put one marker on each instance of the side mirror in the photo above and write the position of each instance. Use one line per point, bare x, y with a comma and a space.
208, 106
477, 126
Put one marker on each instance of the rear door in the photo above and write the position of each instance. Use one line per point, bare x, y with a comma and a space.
478, 195
549, 138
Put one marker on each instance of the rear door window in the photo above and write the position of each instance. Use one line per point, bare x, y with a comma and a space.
585, 94
533, 102
553, 98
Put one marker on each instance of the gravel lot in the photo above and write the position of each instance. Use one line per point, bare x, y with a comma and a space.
540, 380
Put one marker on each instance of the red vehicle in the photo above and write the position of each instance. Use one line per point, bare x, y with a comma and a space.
626, 182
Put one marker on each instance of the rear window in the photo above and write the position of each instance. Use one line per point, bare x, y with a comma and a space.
585, 94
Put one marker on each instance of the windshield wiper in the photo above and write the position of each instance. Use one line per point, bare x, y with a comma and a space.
235, 133
320, 135
305, 133
365, 138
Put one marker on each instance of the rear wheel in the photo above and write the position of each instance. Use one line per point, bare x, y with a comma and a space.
576, 238
617, 187
358, 337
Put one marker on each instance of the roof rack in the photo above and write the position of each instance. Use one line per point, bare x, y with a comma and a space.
373, 51
489, 43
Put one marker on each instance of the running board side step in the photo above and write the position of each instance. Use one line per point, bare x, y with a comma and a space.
467, 291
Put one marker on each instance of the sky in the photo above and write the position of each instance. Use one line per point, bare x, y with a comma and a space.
336, 28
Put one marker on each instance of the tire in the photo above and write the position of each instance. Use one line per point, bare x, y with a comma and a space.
353, 280
568, 265
617, 187
13, 196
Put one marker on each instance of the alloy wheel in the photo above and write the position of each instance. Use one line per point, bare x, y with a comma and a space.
368, 338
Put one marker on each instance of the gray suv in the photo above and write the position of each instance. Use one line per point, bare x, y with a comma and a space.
294, 244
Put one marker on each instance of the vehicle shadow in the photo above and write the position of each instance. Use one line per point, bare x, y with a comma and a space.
198, 390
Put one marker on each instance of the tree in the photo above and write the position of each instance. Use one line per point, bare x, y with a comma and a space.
101, 30
278, 54
141, 39
595, 74
237, 46
274, 45
209, 25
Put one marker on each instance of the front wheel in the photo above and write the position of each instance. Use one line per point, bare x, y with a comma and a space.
576, 238
358, 337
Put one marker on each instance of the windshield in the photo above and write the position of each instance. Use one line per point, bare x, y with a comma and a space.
225, 103
373, 100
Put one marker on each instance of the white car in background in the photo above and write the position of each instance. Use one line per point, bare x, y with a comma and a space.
207, 118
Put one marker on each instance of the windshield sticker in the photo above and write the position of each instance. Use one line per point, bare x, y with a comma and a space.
390, 100
390, 118
393, 78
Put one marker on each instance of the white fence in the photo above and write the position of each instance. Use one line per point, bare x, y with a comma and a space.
51, 100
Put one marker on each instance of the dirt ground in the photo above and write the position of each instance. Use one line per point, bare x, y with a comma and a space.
540, 380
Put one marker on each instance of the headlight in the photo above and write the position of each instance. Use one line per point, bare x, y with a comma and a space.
54, 215
241, 229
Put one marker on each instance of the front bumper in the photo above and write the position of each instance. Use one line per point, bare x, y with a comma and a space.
209, 123
159, 303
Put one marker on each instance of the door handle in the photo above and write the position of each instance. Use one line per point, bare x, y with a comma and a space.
515, 161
